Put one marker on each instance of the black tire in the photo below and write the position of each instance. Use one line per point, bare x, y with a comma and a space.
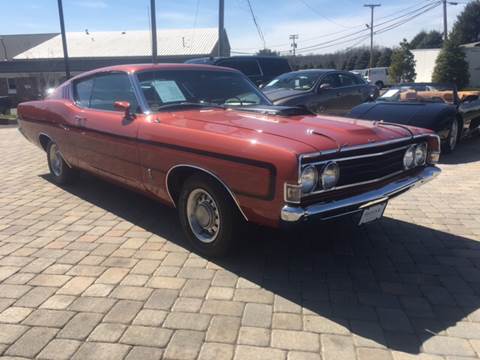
380, 85
230, 219
450, 144
60, 172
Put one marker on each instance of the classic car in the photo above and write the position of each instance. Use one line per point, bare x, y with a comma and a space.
320, 91
205, 140
450, 113
259, 69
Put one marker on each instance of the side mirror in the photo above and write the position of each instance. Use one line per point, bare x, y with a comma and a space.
261, 86
125, 107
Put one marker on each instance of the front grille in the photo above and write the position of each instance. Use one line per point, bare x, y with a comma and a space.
362, 167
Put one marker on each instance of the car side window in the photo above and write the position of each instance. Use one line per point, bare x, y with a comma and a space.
83, 92
347, 80
332, 80
248, 67
108, 88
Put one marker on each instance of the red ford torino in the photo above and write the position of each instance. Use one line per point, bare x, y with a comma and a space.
204, 140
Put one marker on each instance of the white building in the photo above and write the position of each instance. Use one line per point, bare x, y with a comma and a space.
425, 63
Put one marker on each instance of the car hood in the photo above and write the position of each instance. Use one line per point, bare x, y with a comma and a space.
278, 94
319, 132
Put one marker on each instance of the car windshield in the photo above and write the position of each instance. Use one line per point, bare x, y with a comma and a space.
302, 80
420, 93
167, 88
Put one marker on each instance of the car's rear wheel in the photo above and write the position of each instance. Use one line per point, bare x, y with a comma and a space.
453, 135
60, 172
208, 216
380, 84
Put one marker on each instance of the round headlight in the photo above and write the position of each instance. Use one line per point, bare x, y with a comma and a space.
420, 154
330, 175
309, 179
409, 158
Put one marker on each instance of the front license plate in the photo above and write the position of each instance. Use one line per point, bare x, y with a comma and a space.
372, 213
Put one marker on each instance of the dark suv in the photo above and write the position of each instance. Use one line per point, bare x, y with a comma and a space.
260, 69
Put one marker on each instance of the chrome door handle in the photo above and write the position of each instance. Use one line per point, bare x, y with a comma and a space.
80, 121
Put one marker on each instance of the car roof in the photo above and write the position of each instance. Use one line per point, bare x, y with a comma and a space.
143, 67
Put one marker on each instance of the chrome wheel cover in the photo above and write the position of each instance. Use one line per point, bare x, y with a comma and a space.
453, 135
203, 216
56, 162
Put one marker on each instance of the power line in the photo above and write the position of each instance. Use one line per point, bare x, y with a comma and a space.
259, 30
326, 18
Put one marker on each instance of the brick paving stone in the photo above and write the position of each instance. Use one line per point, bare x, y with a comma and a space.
254, 336
101, 351
5, 303
184, 304
134, 280
92, 304
58, 302
13, 291
161, 299
224, 278
220, 293
35, 297
187, 321
287, 321
123, 311
80, 326
244, 352
112, 276
220, 307
9, 333
253, 295
373, 354
146, 336
14, 314
443, 345
144, 353
47, 317
216, 351
131, 293
368, 334
320, 324
49, 280
223, 329
31, 342
394, 320
185, 345
465, 330
195, 288
76, 286
164, 282
295, 340
257, 315
107, 332
336, 347
98, 290
149, 317
59, 349
301, 355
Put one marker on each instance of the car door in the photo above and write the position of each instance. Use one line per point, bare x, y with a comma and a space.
328, 95
353, 92
107, 141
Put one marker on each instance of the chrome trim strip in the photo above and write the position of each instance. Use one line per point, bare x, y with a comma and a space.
207, 172
294, 214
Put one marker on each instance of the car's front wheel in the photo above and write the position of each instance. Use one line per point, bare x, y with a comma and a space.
60, 172
453, 135
208, 216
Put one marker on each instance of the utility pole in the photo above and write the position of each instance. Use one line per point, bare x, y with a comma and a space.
372, 9
294, 44
153, 17
445, 25
64, 39
221, 27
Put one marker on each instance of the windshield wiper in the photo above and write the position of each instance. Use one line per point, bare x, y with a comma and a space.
190, 104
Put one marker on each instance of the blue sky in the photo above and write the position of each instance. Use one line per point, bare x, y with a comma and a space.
277, 18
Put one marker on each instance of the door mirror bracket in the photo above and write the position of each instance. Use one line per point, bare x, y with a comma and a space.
125, 107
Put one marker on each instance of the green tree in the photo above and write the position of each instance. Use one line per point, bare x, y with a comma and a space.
427, 40
385, 58
363, 60
467, 27
402, 68
331, 65
351, 62
451, 66
267, 52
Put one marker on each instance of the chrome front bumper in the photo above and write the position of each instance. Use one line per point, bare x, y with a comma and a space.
353, 204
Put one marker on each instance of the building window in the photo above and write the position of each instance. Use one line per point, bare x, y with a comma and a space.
12, 86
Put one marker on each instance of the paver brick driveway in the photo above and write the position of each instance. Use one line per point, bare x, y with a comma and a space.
92, 271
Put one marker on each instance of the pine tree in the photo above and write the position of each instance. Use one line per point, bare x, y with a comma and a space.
386, 58
451, 66
402, 68
467, 26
